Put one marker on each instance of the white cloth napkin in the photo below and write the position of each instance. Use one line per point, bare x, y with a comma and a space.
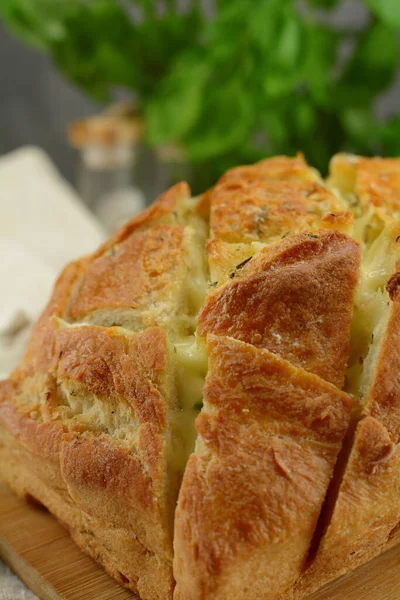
11, 588
43, 225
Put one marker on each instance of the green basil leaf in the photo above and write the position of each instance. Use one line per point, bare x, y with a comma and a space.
224, 124
304, 118
320, 55
375, 58
288, 48
359, 125
179, 100
266, 24
387, 10
371, 69
388, 136
274, 124
279, 83
37, 23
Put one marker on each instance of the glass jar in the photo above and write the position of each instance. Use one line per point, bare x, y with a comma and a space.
105, 182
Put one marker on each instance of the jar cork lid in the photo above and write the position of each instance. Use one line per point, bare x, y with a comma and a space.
119, 125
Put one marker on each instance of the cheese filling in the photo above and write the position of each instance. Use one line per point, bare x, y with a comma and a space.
191, 369
189, 352
372, 306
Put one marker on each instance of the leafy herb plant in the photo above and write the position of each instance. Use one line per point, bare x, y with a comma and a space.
234, 80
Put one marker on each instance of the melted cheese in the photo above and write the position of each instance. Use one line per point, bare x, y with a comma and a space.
191, 369
371, 311
190, 354
197, 278
195, 288
368, 227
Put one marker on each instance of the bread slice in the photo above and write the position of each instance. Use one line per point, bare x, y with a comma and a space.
370, 187
294, 298
258, 283
362, 511
280, 168
257, 203
269, 436
93, 425
86, 431
164, 252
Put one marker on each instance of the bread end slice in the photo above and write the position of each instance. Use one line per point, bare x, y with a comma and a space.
269, 436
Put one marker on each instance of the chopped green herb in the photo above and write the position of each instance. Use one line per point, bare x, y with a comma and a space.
239, 266
111, 251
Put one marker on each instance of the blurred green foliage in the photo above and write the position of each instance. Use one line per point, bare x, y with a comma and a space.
256, 78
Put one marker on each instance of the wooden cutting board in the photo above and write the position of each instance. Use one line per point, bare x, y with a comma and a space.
43, 555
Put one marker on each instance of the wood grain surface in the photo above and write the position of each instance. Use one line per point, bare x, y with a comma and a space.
43, 555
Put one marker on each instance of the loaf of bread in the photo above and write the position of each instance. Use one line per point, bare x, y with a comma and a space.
211, 401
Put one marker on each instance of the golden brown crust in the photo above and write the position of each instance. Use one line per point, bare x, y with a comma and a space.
138, 278
156, 258
342, 221
164, 210
294, 298
93, 420
378, 183
247, 210
393, 284
123, 556
365, 509
366, 513
224, 257
91, 425
92, 409
283, 168
251, 495
375, 181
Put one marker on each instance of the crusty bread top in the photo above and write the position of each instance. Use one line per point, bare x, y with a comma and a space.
156, 256
269, 436
375, 181
283, 168
294, 298
270, 199
257, 211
